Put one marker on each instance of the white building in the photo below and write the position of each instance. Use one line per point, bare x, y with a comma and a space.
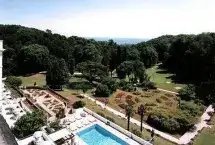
1, 58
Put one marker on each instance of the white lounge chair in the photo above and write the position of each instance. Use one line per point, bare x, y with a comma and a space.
72, 119
79, 125
73, 127
92, 119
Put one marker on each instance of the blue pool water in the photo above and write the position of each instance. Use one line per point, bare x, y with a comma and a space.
97, 135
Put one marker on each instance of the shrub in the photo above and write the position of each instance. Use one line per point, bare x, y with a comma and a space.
164, 98
14, 81
102, 90
146, 96
119, 95
129, 97
130, 102
169, 103
55, 125
137, 100
80, 96
71, 111
103, 100
111, 83
156, 91
147, 84
110, 119
159, 100
150, 104
136, 132
187, 93
136, 93
61, 114
78, 104
123, 106
101, 114
169, 95
29, 123
125, 86
169, 123
191, 108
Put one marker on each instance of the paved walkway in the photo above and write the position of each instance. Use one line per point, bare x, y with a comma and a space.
186, 138
167, 91
146, 126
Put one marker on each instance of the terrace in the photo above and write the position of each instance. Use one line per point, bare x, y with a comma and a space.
11, 108
77, 122
45, 100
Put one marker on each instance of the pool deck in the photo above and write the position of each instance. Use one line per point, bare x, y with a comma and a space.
110, 129
78, 140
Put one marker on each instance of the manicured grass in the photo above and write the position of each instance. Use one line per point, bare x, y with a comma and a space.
162, 79
123, 123
40, 79
207, 136
67, 92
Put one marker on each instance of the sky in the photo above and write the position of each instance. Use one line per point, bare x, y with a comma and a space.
112, 18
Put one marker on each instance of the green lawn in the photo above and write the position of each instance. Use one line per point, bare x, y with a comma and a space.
207, 136
40, 79
29, 81
161, 79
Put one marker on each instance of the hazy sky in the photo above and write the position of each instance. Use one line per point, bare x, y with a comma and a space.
112, 18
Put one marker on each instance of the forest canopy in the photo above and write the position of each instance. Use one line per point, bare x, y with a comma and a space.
190, 57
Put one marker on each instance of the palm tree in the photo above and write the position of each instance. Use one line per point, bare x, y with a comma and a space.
129, 110
141, 111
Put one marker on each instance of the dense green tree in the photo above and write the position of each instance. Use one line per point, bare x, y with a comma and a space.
148, 56
57, 73
134, 70
102, 91
29, 123
92, 70
187, 93
125, 69
110, 82
14, 81
33, 58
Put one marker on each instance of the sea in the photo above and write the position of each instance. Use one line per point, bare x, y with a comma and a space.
121, 40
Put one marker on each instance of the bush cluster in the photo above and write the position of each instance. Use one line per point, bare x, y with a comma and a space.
55, 125
102, 91
136, 132
78, 104
14, 81
173, 124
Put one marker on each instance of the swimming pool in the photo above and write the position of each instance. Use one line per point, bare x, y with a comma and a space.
97, 135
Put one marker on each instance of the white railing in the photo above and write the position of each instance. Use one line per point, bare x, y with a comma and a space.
118, 128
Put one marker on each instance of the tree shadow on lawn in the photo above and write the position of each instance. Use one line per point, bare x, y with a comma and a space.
175, 78
79, 85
